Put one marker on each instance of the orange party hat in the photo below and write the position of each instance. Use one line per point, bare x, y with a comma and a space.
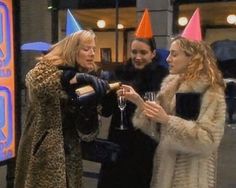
193, 30
144, 29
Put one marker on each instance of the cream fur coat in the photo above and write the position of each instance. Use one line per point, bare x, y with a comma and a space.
187, 153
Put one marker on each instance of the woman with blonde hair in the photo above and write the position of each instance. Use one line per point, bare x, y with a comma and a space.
189, 116
49, 153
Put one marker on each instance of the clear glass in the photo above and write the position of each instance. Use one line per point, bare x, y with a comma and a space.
121, 104
151, 96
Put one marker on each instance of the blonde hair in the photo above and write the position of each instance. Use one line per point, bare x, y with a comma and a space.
203, 62
64, 52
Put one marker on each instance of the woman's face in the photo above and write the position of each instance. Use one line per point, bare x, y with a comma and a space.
177, 59
86, 55
141, 54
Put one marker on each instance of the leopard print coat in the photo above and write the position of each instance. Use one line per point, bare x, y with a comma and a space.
47, 157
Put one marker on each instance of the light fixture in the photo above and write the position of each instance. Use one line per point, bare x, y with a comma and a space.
101, 23
52, 4
231, 19
182, 21
120, 26
50, 7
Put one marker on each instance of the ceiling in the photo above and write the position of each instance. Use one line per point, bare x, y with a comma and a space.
127, 17
212, 15
88, 17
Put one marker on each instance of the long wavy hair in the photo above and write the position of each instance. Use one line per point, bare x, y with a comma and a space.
65, 52
203, 62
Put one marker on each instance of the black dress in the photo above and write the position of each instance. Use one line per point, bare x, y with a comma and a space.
134, 167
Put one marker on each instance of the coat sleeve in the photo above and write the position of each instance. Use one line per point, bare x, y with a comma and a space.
201, 136
150, 128
185, 136
108, 104
43, 82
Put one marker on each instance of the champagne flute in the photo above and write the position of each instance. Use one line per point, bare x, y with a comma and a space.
121, 104
151, 96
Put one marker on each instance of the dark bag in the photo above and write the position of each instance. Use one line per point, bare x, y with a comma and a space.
100, 150
188, 105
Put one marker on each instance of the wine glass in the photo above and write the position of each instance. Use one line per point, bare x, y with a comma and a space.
121, 104
151, 96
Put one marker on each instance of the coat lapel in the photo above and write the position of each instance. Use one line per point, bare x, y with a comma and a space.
173, 84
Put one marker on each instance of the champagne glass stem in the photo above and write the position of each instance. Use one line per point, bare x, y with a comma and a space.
122, 119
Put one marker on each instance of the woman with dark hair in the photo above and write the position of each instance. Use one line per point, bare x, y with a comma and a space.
144, 71
134, 167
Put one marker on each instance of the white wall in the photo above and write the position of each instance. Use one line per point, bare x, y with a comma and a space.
107, 40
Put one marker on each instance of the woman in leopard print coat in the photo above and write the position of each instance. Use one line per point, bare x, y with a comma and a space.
49, 153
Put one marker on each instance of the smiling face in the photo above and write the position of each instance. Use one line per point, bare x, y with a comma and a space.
141, 54
86, 55
177, 59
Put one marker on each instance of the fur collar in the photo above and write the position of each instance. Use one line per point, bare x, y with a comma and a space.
174, 82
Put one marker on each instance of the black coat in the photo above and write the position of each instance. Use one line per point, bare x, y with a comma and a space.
79, 115
134, 167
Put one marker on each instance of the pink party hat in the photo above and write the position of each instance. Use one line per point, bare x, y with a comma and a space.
193, 30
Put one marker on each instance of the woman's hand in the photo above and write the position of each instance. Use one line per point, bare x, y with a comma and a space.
73, 80
130, 94
67, 77
155, 112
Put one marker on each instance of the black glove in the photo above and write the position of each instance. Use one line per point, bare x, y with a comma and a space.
67, 75
100, 86
107, 75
